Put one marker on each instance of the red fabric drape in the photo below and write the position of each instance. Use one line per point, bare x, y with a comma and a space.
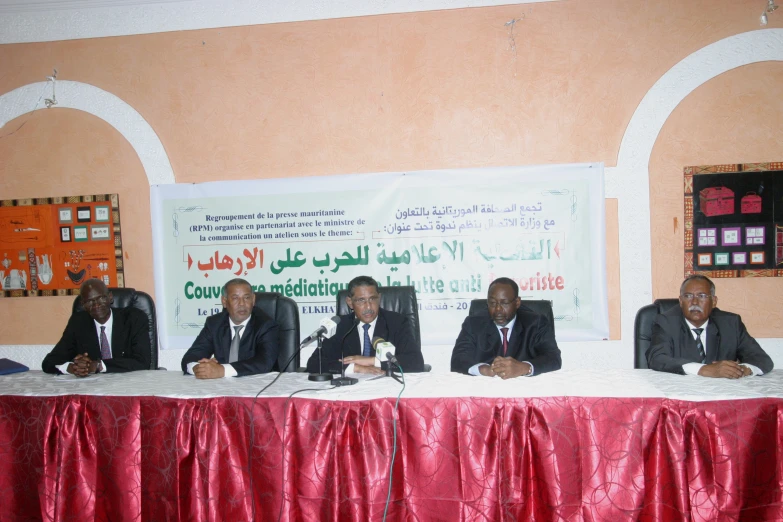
556, 458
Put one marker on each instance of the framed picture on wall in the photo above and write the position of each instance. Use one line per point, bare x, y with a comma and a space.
100, 232
102, 214
80, 233
65, 234
731, 236
66, 239
722, 258
705, 259
743, 203
65, 214
83, 214
739, 258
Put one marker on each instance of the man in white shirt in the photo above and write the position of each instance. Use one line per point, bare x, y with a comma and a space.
354, 334
698, 339
241, 340
513, 341
101, 338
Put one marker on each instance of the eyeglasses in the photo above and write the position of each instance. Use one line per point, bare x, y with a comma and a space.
700, 297
491, 303
364, 300
89, 303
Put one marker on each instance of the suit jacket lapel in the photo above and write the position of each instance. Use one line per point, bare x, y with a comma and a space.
493, 343
246, 342
515, 339
93, 342
713, 342
224, 338
381, 328
350, 339
117, 331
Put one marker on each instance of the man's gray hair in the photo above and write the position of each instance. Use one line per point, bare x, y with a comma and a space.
698, 277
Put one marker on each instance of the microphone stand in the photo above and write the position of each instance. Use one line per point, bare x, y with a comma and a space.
343, 380
321, 375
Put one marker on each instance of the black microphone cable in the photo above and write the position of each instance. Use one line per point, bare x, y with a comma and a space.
252, 426
393, 360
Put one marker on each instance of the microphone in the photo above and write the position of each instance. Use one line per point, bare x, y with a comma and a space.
326, 330
391, 358
379, 344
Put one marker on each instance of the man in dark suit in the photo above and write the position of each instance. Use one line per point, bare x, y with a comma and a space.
370, 321
699, 339
101, 338
241, 340
514, 342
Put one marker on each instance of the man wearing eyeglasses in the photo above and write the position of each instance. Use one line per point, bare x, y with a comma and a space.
699, 339
368, 320
101, 338
513, 342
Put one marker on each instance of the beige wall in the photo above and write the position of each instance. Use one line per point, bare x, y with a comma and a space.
734, 118
413, 91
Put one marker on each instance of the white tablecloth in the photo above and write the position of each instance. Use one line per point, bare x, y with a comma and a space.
577, 383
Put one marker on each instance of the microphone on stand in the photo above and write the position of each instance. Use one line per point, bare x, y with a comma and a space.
325, 331
343, 380
380, 345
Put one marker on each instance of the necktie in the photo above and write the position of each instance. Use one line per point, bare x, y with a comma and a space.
105, 350
367, 342
700, 346
233, 352
505, 340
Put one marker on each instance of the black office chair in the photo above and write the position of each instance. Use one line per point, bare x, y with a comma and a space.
642, 329
400, 299
478, 307
130, 297
286, 314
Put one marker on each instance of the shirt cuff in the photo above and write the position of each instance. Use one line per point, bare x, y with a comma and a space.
349, 368
63, 368
474, 370
189, 368
753, 369
692, 368
532, 369
230, 371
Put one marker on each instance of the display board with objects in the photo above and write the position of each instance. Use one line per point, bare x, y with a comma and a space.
50, 246
734, 220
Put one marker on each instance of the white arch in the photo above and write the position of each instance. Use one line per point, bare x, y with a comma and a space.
106, 106
630, 179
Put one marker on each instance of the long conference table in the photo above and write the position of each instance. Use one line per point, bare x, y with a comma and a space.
610, 445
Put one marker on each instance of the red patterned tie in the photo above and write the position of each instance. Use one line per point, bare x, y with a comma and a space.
505, 340
105, 350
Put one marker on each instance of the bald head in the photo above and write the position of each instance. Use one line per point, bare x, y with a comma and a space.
96, 299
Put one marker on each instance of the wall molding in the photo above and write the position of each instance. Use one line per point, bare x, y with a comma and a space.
629, 181
106, 106
26, 21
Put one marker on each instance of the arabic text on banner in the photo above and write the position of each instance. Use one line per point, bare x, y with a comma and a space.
447, 233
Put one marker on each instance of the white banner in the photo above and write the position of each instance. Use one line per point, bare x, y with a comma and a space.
448, 233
